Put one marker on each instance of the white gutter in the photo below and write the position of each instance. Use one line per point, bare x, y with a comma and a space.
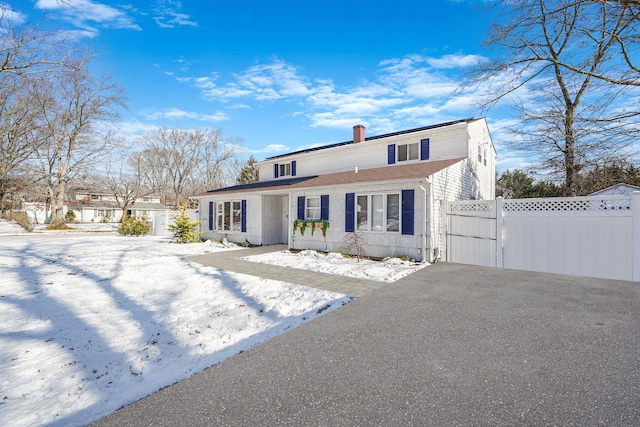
426, 204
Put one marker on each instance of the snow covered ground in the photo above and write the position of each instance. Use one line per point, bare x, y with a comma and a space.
90, 321
388, 270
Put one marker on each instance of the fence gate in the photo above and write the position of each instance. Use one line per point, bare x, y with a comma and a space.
587, 236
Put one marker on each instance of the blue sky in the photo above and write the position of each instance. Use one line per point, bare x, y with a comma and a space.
282, 74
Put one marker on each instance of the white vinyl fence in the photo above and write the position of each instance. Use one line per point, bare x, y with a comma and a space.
586, 236
160, 221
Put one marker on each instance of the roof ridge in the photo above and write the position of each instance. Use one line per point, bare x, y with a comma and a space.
370, 138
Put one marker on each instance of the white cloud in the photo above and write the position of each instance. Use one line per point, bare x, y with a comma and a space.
83, 12
408, 91
169, 14
272, 148
178, 114
12, 16
456, 61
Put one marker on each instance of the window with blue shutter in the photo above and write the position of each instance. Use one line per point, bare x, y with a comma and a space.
211, 211
391, 154
324, 207
301, 207
407, 211
243, 216
424, 149
276, 169
350, 213
293, 168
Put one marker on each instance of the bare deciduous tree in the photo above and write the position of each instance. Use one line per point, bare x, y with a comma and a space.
125, 185
178, 163
557, 56
28, 50
17, 117
71, 109
28, 57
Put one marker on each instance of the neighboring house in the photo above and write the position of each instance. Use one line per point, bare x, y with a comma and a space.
389, 187
91, 205
617, 190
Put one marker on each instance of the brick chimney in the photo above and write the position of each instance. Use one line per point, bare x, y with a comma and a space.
358, 133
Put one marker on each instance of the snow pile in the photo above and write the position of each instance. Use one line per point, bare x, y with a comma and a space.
92, 322
388, 270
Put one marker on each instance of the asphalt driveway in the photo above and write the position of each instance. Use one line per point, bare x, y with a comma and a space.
449, 345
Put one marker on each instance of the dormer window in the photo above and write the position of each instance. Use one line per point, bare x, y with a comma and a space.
407, 152
284, 169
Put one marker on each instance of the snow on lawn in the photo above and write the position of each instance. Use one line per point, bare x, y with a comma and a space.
91, 322
387, 270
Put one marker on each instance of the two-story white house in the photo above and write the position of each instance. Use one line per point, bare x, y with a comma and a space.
391, 188
94, 205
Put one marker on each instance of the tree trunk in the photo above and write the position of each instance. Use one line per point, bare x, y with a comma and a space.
569, 154
56, 195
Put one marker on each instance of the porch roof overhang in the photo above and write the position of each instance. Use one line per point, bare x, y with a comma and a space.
420, 170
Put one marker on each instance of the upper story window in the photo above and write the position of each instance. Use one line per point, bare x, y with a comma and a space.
407, 152
482, 155
284, 169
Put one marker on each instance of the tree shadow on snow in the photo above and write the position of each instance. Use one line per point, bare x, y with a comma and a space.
99, 366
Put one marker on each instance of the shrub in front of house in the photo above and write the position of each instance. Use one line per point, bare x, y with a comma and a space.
184, 230
135, 226
70, 216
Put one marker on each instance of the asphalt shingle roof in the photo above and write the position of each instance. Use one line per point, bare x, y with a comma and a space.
387, 173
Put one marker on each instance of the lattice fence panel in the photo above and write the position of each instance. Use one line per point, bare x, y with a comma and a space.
474, 206
576, 204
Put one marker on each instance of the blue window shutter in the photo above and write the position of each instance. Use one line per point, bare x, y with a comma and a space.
275, 170
293, 168
211, 211
324, 207
300, 207
350, 213
424, 149
243, 216
391, 154
407, 212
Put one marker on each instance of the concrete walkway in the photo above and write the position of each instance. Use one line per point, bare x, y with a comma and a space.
230, 261
449, 345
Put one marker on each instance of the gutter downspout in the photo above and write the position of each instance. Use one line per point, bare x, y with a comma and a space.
427, 198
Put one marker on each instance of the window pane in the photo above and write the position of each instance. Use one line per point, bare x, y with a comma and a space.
377, 213
285, 169
313, 208
413, 151
227, 216
219, 216
236, 216
393, 212
362, 213
402, 153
